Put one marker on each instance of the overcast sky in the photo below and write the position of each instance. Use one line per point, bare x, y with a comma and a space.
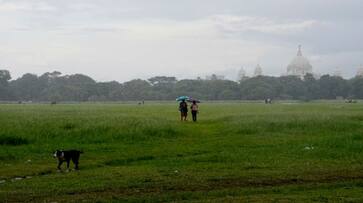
127, 39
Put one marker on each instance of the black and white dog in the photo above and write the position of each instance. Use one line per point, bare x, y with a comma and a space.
67, 156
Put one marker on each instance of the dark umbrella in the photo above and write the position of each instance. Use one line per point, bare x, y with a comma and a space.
192, 100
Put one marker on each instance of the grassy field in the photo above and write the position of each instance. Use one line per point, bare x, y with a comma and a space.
237, 152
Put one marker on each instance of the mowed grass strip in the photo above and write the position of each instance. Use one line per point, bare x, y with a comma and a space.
235, 152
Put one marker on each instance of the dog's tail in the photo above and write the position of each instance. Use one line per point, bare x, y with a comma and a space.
81, 152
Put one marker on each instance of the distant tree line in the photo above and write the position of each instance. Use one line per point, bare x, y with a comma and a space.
57, 87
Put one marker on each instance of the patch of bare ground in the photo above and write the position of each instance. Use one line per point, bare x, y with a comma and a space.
209, 185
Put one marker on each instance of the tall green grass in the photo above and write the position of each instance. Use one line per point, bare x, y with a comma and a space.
235, 152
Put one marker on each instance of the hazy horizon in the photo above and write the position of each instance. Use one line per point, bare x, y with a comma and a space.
123, 40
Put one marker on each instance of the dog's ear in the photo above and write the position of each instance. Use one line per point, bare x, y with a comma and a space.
55, 153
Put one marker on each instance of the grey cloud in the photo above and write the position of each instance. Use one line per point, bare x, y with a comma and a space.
211, 33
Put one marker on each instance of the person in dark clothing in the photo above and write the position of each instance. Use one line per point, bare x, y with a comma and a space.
183, 108
194, 108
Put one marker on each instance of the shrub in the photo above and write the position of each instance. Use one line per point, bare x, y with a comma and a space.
13, 141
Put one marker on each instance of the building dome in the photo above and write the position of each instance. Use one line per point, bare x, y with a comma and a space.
299, 66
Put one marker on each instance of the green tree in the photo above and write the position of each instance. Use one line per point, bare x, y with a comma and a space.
4, 85
292, 87
136, 90
26, 87
312, 87
357, 87
162, 87
260, 87
332, 87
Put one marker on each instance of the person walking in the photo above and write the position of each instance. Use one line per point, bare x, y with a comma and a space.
183, 108
194, 108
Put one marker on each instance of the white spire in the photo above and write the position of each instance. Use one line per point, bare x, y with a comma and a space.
241, 74
258, 70
299, 52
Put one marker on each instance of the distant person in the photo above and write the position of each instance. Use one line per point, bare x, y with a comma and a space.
194, 108
183, 108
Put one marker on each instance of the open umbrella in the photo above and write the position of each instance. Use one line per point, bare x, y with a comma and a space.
192, 100
186, 98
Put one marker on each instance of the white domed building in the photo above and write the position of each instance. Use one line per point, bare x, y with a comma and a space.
299, 66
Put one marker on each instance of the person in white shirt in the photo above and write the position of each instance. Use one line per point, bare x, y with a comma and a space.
194, 108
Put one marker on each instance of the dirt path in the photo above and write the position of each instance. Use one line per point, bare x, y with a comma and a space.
211, 185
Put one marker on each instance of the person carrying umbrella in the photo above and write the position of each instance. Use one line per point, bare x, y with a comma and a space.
183, 108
